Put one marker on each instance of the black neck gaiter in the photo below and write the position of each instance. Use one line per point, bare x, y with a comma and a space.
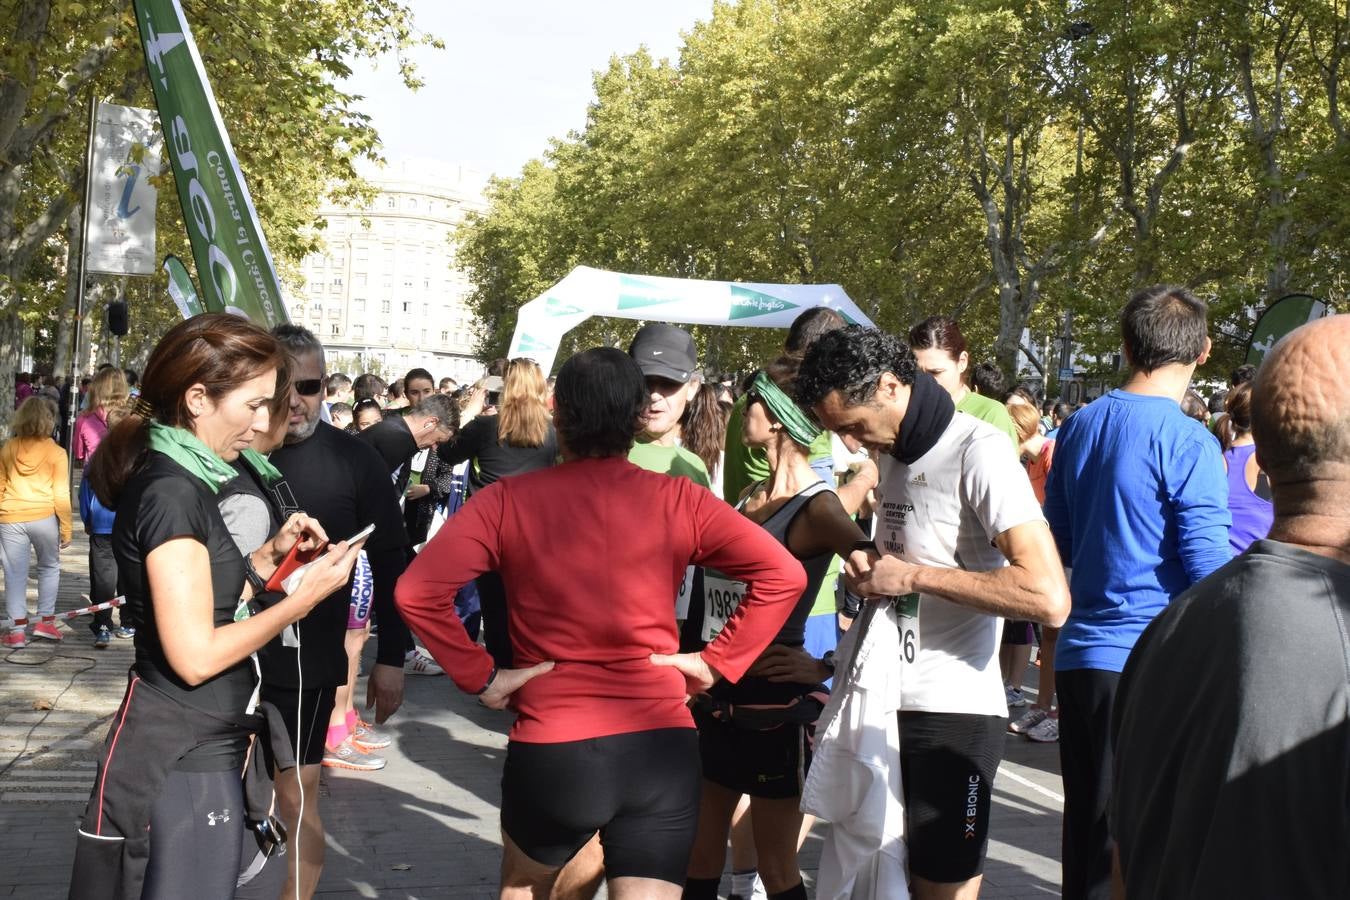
930, 412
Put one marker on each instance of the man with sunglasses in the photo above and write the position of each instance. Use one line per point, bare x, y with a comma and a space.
341, 481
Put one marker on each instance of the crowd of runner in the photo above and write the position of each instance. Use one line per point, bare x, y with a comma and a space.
693, 595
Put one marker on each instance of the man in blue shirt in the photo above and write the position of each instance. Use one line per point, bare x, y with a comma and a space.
1138, 504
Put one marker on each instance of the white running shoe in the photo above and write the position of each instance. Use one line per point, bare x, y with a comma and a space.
1027, 720
1045, 732
1014, 697
349, 756
418, 663
368, 737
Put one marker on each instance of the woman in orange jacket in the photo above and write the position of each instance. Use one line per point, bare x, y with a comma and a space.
34, 511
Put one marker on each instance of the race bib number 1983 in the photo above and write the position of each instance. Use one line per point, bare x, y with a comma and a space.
721, 596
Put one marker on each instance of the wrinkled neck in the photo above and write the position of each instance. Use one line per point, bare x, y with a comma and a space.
1314, 514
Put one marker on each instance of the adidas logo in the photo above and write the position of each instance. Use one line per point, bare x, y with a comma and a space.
919, 480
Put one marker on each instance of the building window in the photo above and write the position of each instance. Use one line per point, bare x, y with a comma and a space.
334, 312
407, 306
359, 305
358, 331
337, 286
390, 203
424, 337
359, 279
384, 333
412, 203
335, 330
316, 311
445, 338
384, 306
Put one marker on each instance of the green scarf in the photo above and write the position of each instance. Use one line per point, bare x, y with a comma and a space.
800, 428
183, 447
261, 465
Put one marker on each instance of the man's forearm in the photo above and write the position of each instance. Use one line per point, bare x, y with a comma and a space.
1011, 592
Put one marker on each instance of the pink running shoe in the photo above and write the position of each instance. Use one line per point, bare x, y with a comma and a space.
46, 629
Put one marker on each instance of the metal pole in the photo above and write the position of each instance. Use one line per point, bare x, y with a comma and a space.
74, 387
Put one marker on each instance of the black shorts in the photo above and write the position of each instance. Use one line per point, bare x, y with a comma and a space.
770, 764
948, 762
639, 790
1018, 633
311, 709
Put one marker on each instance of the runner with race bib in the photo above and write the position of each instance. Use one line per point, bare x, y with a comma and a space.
955, 508
753, 735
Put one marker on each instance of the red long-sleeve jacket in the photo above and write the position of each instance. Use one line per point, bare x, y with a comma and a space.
592, 553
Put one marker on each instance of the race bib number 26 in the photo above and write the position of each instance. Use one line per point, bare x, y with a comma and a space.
907, 608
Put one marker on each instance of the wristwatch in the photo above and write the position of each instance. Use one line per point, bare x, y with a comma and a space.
828, 662
252, 577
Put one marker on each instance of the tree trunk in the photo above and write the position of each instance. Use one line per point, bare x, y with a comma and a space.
65, 317
11, 348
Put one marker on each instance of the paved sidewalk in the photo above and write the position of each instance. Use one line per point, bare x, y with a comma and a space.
424, 827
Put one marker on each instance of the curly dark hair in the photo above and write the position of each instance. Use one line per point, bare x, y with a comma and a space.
851, 360
600, 402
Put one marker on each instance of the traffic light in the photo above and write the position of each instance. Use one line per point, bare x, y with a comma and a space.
117, 318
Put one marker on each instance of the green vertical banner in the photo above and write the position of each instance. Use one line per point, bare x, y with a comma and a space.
181, 288
1280, 318
234, 265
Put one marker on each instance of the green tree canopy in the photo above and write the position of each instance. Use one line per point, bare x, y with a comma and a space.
278, 69
1004, 161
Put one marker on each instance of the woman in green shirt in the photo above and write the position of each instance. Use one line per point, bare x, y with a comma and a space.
940, 349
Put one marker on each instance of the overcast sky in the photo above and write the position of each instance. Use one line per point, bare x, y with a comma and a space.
513, 74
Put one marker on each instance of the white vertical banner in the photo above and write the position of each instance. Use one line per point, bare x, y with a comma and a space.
121, 230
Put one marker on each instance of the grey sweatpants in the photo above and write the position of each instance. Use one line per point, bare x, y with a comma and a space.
43, 536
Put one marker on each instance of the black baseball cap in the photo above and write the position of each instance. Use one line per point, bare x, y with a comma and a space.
665, 351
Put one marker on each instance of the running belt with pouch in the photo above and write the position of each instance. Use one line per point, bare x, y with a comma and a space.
150, 731
803, 710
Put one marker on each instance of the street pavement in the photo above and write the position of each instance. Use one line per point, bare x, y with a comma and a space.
424, 827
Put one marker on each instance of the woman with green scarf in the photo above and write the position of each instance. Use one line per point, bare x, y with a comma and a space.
753, 734
168, 814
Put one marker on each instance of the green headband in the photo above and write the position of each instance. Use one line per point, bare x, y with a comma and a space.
785, 410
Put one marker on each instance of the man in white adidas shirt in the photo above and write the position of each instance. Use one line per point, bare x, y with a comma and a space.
962, 543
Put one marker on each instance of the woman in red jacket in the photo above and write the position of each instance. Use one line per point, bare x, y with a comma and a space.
592, 553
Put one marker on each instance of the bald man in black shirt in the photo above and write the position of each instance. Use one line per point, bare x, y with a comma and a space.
1232, 720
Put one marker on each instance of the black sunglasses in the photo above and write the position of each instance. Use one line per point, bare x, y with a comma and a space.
308, 387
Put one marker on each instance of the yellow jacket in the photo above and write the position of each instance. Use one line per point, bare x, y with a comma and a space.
34, 483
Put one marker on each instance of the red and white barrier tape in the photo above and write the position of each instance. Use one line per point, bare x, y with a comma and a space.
76, 613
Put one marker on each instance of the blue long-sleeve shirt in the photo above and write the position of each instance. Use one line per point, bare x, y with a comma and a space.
98, 519
1137, 501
